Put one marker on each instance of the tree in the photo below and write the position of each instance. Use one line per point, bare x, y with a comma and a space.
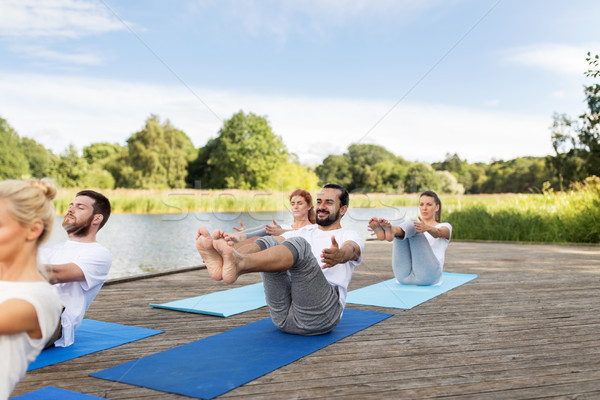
70, 168
363, 158
421, 177
158, 156
452, 163
335, 168
108, 166
589, 133
291, 176
449, 184
567, 163
41, 161
577, 144
365, 168
101, 153
246, 155
13, 163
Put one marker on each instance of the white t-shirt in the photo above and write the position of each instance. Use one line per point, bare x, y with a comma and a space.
341, 274
17, 351
439, 245
288, 227
94, 260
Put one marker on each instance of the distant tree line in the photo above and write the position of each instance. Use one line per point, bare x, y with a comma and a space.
246, 154
576, 142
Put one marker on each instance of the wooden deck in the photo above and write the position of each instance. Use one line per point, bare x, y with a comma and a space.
527, 327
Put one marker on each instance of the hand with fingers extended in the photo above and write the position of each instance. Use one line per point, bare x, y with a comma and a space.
421, 226
333, 255
240, 228
275, 229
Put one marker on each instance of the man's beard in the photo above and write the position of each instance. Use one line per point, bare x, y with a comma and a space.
78, 229
331, 218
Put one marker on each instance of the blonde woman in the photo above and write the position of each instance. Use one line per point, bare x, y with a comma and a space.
29, 305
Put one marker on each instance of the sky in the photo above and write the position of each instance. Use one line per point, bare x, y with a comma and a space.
427, 78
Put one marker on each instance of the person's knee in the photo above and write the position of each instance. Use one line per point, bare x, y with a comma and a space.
265, 242
301, 245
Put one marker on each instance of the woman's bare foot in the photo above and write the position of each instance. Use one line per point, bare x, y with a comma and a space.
234, 237
387, 229
376, 228
231, 259
212, 259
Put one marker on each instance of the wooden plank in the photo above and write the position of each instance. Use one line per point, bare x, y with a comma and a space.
527, 327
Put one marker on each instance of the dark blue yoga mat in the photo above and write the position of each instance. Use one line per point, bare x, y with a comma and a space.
52, 393
92, 336
217, 364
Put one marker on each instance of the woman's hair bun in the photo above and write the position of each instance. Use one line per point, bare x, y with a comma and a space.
46, 185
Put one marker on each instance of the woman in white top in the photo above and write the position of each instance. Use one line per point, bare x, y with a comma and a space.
301, 205
29, 305
419, 245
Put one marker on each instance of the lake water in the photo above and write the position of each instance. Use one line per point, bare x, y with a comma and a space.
147, 243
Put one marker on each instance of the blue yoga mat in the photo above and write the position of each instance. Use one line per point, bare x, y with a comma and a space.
391, 294
217, 364
52, 393
224, 303
92, 336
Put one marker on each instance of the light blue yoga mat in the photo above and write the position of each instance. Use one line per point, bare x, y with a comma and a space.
390, 294
92, 336
52, 393
217, 364
224, 303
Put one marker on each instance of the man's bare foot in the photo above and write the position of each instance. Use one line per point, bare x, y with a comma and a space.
231, 259
376, 228
387, 229
212, 259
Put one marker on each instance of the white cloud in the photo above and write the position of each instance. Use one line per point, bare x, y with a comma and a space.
39, 53
280, 18
57, 111
55, 18
492, 103
557, 58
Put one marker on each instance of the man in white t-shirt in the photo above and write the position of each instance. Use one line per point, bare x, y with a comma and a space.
306, 272
79, 266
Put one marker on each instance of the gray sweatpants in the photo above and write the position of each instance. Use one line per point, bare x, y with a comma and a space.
301, 300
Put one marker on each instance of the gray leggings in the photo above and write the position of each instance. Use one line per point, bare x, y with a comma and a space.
413, 260
256, 231
301, 300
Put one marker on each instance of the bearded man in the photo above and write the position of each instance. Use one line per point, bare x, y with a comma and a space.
305, 272
79, 266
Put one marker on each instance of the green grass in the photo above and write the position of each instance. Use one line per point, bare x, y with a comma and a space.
183, 200
571, 217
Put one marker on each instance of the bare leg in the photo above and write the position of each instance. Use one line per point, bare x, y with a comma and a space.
212, 259
375, 226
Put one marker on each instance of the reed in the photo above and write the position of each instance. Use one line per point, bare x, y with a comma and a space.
572, 216
568, 217
132, 201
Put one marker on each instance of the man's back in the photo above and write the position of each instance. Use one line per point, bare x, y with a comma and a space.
94, 260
